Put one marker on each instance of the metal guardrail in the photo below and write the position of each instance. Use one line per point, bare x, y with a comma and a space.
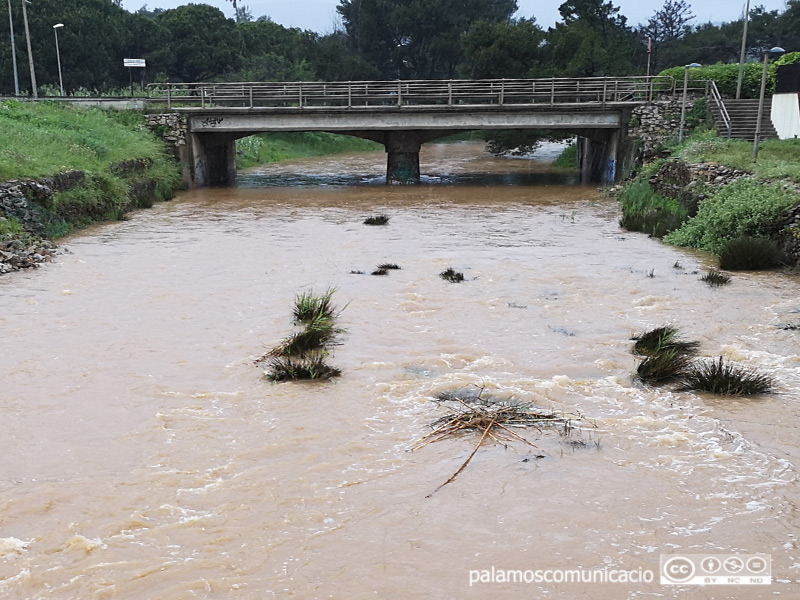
723, 111
413, 93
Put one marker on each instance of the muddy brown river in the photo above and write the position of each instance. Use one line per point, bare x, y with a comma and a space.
146, 456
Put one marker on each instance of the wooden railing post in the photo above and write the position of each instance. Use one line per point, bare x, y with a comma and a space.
300, 95
399, 93
450, 93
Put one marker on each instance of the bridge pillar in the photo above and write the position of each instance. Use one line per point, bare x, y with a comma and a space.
402, 157
402, 150
210, 160
598, 152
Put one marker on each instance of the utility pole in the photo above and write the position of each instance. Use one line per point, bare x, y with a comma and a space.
34, 90
741, 54
13, 50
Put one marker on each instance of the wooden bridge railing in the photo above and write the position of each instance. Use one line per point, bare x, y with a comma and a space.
413, 93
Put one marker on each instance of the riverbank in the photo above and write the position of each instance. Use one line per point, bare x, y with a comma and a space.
274, 147
66, 167
710, 194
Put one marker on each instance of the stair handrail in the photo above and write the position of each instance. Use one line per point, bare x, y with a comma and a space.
723, 111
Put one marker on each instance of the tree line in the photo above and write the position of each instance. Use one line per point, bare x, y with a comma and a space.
378, 39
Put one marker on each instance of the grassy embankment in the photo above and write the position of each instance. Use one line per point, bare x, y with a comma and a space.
745, 211
125, 166
274, 147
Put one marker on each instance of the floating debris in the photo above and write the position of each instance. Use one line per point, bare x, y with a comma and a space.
469, 411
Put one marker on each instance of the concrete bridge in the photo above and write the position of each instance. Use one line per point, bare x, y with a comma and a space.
403, 115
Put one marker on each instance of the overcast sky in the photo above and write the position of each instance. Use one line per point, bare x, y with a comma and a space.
320, 15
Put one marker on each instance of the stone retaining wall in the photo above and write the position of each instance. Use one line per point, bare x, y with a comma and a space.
654, 124
171, 127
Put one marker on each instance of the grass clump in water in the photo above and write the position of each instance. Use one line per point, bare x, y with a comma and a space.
311, 308
377, 220
315, 337
388, 266
452, 275
287, 368
715, 278
659, 339
665, 366
746, 253
716, 377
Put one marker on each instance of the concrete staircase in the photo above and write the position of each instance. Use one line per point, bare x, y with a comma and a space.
743, 115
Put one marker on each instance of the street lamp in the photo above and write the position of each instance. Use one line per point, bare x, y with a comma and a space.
775, 51
683, 101
13, 50
58, 57
34, 90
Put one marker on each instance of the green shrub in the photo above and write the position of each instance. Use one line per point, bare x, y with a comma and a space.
646, 211
750, 254
10, 226
745, 207
726, 76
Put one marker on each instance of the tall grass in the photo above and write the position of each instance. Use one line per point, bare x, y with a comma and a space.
46, 138
646, 211
777, 159
42, 139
